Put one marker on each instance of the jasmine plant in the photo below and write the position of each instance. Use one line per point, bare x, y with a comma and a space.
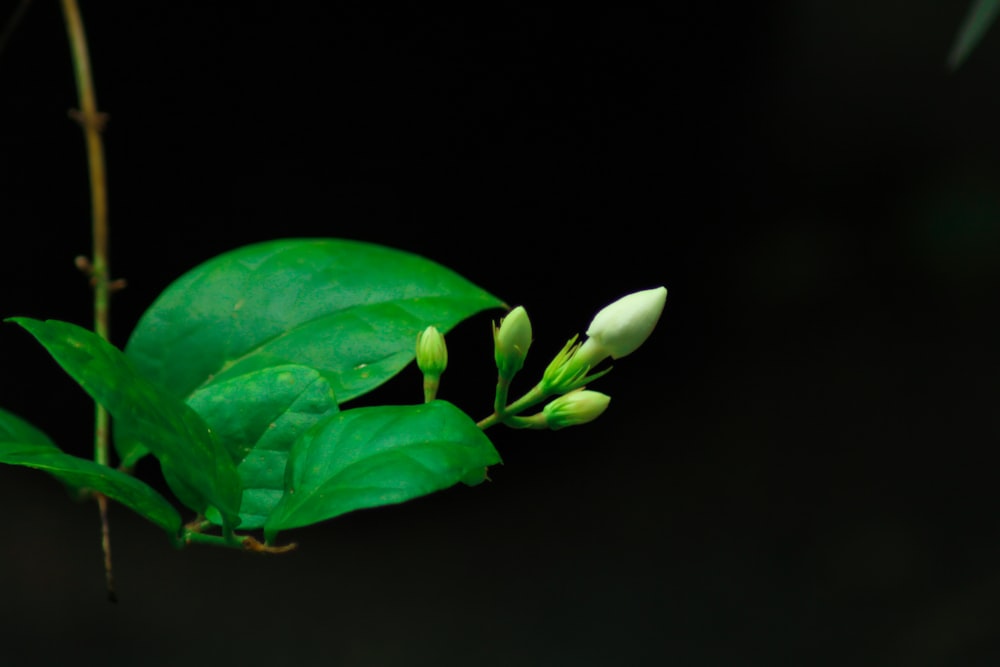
235, 380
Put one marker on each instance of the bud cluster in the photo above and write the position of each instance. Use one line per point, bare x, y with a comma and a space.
616, 331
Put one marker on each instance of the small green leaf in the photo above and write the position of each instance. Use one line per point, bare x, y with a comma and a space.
257, 417
16, 429
25, 445
977, 21
368, 457
86, 474
351, 310
147, 415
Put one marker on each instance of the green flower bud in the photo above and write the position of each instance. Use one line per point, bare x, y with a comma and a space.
577, 407
564, 372
511, 341
432, 353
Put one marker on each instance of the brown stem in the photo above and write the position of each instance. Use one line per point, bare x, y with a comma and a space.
253, 544
93, 122
109, 577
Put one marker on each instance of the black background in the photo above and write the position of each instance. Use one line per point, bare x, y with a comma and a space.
798, 468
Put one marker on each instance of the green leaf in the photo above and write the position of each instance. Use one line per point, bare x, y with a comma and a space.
82, 473
257, 417
368, 457
197, 466
351, 310
25, 445
16, 429
977, 21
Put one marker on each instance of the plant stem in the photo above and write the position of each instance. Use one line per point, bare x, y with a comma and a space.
193, 535
500, 413
431, 385
500, 397
92, 123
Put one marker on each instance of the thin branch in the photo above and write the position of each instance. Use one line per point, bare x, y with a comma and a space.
93, 122
109, 575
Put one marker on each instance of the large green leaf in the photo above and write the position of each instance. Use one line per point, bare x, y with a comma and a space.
368, 457
257, 417
82, 473
349, 309
188, 452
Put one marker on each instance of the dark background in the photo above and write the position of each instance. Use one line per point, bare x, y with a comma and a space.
798, 468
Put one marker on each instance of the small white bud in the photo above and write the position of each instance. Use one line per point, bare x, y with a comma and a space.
616, 331
621, 327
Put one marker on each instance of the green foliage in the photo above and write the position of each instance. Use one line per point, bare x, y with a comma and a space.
196, 465
350, 310
257, 416
24, 445
977, 21
234, 379
376, 456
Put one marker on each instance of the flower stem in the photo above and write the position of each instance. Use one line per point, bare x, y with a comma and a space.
500, 413
92, 123
500, 398
431, 385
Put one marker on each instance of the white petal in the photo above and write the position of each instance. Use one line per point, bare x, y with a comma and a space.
624, 325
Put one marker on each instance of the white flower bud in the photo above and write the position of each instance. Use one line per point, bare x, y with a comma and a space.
511, 341
616, 331
621, 327
577, 407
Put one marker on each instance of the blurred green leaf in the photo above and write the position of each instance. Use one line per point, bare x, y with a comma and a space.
257, 417
85, 474
979, 18
351, 310
194, 462
368, 457
25, 445
16, 429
